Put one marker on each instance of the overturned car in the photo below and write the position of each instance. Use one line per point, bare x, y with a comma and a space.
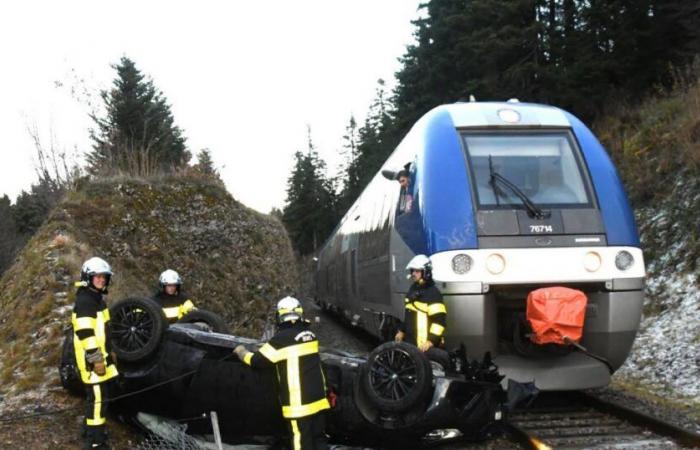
394, 395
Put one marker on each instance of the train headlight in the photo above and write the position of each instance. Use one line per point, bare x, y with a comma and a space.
592, 261
624, 260
462, 264
495, 263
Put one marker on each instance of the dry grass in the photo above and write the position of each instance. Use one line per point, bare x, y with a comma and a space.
654, 141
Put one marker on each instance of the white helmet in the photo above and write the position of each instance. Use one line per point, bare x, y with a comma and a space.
95, 266
169, 277
419, 262
288, 309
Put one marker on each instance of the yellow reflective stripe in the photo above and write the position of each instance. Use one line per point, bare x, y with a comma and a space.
105, 315
84, 323
97, 418
421, 328
89, 343
410, 307
420, 306
270, 353
293, 382
296, 435
248, 358
295, 351
287, 311
437, 308
436, 329
172, 313
305, 410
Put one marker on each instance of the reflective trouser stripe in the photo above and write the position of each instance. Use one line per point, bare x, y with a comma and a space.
96, 418
296, 435
422, 328
248, 358
290, 411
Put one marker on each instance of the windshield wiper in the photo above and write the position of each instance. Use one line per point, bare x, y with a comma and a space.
534, 210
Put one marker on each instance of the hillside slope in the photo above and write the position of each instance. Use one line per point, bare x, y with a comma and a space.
656, 146
234, 261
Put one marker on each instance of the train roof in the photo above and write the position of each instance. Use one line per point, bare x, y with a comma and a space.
500, 114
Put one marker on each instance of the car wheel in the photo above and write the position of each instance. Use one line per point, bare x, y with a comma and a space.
68, 370
211, 321
397, 377
137, 326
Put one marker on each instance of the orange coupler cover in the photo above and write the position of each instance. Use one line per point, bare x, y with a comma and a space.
555, 312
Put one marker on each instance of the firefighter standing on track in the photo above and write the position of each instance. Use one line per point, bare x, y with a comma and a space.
293, 351
425, 313
172, 299
91, 340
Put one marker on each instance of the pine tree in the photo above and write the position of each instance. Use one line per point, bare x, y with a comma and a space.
8, 234
311, 210
138, 135
205, 165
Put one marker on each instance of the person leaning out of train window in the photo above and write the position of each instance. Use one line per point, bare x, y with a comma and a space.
425, 313
91, 341
170, 296
405, 197
293, 352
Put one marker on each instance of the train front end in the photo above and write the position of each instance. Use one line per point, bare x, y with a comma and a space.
534, 202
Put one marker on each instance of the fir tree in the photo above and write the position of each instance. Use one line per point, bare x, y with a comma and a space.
137, 135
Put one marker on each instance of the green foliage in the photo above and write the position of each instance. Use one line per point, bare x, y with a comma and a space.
311, 210
137, 136
205, 165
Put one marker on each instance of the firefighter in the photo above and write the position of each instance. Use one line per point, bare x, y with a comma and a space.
293, 351
91, 340
172, 299
425, 313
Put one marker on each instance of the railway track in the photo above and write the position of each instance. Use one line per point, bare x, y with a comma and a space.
578, 420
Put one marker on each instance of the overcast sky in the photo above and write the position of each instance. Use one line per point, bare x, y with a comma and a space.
244, 78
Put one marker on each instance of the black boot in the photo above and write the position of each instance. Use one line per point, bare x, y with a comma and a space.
96, 438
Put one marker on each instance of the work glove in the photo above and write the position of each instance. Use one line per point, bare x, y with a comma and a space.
240, 351
425, 346
399, 336
99, 368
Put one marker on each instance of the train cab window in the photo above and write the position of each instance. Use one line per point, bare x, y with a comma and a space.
543, 166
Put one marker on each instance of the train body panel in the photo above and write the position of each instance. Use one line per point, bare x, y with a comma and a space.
578, 231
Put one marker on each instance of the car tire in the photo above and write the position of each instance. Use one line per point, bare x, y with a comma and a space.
68, 369
137, 326
211, 321
397, 377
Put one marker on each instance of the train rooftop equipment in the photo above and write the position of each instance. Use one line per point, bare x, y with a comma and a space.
505, 198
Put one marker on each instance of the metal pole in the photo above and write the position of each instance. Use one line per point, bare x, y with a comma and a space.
215, 427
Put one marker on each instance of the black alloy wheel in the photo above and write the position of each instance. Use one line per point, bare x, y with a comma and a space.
137, 326
397, 377
393, 374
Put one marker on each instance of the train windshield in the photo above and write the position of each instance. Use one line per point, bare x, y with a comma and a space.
543, 166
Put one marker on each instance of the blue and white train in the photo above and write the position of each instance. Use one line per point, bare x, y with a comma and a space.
505, 198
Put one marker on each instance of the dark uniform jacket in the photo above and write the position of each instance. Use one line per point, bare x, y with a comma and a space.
91, 334
174, 306
425, 314
294, 353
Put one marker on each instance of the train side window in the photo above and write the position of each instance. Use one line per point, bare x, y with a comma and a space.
406, 179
